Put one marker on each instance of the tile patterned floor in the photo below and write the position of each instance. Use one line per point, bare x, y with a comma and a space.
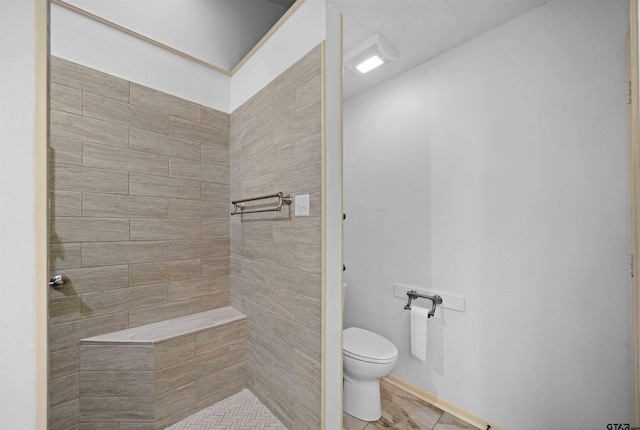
242, 411
402, 411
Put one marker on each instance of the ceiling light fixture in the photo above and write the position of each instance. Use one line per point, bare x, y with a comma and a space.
369, 54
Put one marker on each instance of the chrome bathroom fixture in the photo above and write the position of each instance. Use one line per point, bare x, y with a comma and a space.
239, 207
435, 301
58, 281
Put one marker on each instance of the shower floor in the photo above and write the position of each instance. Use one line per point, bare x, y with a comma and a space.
242, 411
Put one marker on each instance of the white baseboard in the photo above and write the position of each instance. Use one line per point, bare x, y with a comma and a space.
440, 403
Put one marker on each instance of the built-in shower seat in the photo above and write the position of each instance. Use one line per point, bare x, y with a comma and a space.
152, 376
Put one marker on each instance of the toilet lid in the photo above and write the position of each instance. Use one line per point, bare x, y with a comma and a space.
364, 345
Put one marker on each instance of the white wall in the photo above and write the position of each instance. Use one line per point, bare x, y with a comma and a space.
220, 32
87, 42
498, 171
17, 365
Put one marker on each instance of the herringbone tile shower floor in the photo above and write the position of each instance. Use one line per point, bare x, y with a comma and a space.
242, 411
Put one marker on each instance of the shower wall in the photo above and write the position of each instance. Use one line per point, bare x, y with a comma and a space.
139, 183
275, 145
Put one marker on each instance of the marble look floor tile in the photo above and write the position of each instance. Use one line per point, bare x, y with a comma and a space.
449, 422
240, 411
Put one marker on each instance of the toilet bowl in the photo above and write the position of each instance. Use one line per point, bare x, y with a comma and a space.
367, 357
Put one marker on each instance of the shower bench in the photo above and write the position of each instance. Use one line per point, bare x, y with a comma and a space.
152, 376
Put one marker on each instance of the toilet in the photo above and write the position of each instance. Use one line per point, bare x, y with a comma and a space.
367, 357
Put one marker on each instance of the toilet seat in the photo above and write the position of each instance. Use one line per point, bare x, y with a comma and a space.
363, 345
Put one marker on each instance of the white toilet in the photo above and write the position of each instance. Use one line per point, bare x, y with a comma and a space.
367, 357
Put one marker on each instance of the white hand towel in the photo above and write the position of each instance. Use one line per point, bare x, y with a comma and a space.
419, 317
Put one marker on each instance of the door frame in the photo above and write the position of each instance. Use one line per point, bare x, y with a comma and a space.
41, 212
633, 67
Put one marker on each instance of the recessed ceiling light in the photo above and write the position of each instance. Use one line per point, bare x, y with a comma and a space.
369, 64
369, 54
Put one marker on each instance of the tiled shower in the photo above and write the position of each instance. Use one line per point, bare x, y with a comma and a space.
140, 185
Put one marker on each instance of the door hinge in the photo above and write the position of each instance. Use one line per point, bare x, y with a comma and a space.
629, 98
631, 265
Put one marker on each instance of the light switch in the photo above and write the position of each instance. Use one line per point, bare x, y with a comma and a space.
302, 205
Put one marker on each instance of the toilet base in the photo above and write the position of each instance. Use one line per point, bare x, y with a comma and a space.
361, 398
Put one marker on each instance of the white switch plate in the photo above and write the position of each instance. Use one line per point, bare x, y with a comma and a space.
302, 205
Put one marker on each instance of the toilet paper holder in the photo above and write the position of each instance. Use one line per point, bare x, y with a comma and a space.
435, 301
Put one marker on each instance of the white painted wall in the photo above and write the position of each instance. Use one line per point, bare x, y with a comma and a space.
220, 32
498, 171
17, 325
87, 42
303, 31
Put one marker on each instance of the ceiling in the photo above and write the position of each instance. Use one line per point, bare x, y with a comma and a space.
419, 29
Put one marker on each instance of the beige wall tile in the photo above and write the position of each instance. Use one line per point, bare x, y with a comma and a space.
146, 141
65, 415
175, 351
74, 178
63, 256
83, 78
193, 288
64, 362
257, 316
149, 273
157, 186
97, 383
309, 93
123, 299
214, 118
65, 99
280, 109
64, 151
163, 102
64, 309
117, 357
215, 266
124, 160
154, 314
216, 153
173, 401
308, 313
65, 203
300, 337
113, 253
201, 365
307, 370
64, 389
160, 229
304, 122
91, 280
307, 398
215, 228
117, 205
308, 149
117, 409
103, 426
184, 249
68, 335
214, 301
198, 171
212, 384
198, 209
107, 109
135, 384
301, 230
197, 132
277, 300
75, 127
308, 258
78, 229
215, 338
238, 352
215, 192
301, 284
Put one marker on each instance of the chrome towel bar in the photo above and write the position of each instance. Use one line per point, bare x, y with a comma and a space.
239, 208
435, 301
